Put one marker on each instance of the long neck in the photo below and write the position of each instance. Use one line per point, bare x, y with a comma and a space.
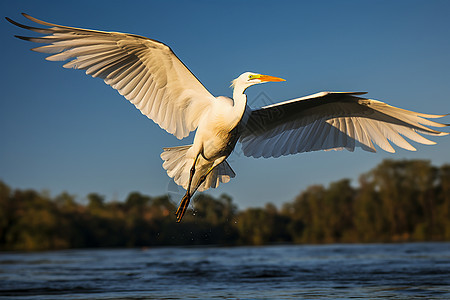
240, 100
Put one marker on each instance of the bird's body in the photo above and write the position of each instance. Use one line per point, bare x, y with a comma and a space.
203, 164
215, 139
148, 74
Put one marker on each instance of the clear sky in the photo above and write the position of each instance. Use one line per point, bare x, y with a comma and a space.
61, 130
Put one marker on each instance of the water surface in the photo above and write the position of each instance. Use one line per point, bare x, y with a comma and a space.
392, 271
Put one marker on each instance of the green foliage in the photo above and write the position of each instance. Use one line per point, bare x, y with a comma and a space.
396, 201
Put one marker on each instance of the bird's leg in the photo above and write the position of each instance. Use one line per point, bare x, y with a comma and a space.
203, 178
187, 197
183, 206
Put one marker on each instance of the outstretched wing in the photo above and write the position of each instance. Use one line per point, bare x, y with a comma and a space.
332, 121
144, 71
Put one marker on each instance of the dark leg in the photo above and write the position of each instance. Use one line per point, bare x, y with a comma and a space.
203, 178
183, 206
187, 197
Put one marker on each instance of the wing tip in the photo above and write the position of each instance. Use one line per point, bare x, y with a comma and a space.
389, 149
14, 22
23, 14
33, 19
24, 38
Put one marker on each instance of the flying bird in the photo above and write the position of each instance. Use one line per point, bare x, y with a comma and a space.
148, 74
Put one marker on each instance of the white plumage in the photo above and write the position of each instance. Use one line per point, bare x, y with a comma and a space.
333, 121
148, 74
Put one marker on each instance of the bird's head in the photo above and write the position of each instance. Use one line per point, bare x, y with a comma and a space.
248, 79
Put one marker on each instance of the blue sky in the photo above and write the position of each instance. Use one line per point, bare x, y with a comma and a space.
61, 130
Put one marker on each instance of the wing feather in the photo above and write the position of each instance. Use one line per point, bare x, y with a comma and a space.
333, 121
146, 72
351, 134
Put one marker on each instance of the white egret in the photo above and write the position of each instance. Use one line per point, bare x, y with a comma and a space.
148, 74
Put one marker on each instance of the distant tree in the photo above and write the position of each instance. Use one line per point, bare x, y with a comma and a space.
137, 201
396, 201
307, 223
95, 201
337, 212
369, 218
7, 213
258, 226
406, 190
443, 203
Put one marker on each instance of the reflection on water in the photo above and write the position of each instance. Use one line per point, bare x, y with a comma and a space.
396, 271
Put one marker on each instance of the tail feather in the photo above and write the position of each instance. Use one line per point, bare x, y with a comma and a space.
169, 164
222, 173
178, 167
175, 163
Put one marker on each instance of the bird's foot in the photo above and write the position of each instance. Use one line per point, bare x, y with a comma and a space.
183, 206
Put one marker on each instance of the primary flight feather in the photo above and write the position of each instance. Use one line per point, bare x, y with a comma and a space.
148, 74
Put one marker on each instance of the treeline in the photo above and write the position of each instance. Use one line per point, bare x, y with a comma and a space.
396, 201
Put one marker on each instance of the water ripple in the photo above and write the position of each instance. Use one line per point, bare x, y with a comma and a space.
397, 271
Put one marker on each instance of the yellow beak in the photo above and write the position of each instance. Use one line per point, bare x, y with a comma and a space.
270, 78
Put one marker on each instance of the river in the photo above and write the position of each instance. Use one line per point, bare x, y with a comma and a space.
354, 271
